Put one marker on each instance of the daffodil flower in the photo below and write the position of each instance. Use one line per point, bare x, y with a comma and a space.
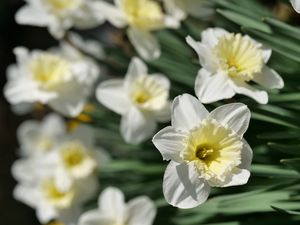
61, 78
182, 8
206, 150
51, 202
38, 138
112, 209
60, 15
141, 99
142, 17
296, 5
229, 62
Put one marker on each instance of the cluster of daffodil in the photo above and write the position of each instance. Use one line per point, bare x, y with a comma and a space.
57, 172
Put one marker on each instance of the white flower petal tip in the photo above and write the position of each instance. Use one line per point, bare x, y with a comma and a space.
227, 71
141, 99
296, 5
140, 210
65, 85
182, 187
206, 150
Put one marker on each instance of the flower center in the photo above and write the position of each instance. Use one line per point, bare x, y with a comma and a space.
45, 144
58, 198
203, 152
214, 149
64, 4
73, 154
148, 94
143, 14
49, 70
239, 56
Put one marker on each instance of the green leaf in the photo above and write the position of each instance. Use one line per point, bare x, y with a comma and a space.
285, 28
292, 163
273, 171
286, 211
288, 149
244, 20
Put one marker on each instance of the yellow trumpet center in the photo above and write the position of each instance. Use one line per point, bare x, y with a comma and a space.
73, 154
148, 94
239, 56
55, 196
143, 14
49, 70
214, 149
64, 4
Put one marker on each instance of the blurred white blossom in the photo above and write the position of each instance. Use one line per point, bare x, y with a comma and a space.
142, 17
58, 170
182, 8
296, 5
37, 138
229, 62
60, 15
112, 209
206, 150
141, 99
62, 78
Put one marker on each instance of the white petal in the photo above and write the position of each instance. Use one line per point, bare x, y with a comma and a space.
173, 9
85, 134
210, 88
141, 210
266, 54
63, 180
241, 175
247, 155
136, 127
31, 15
206, 56
27, 195
164, 114
71, 99
245, 89
23, 90
114, 15
235, 115
112, 203
182, 186
95, 217
170, 143
46, 213
187, 112
162, 80
112, 95
58, 28
144, 43
269, 78
296, 5
136, 69
211, 36
53, 125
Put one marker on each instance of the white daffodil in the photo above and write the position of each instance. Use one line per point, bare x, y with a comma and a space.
142, 18
76, 158
206, 150
141, 99
114, 211
61, 78
229, 62
37, 138
50, 202
180, 9
296, 5
60, 15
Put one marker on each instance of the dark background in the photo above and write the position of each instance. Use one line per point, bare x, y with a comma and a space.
12, 35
